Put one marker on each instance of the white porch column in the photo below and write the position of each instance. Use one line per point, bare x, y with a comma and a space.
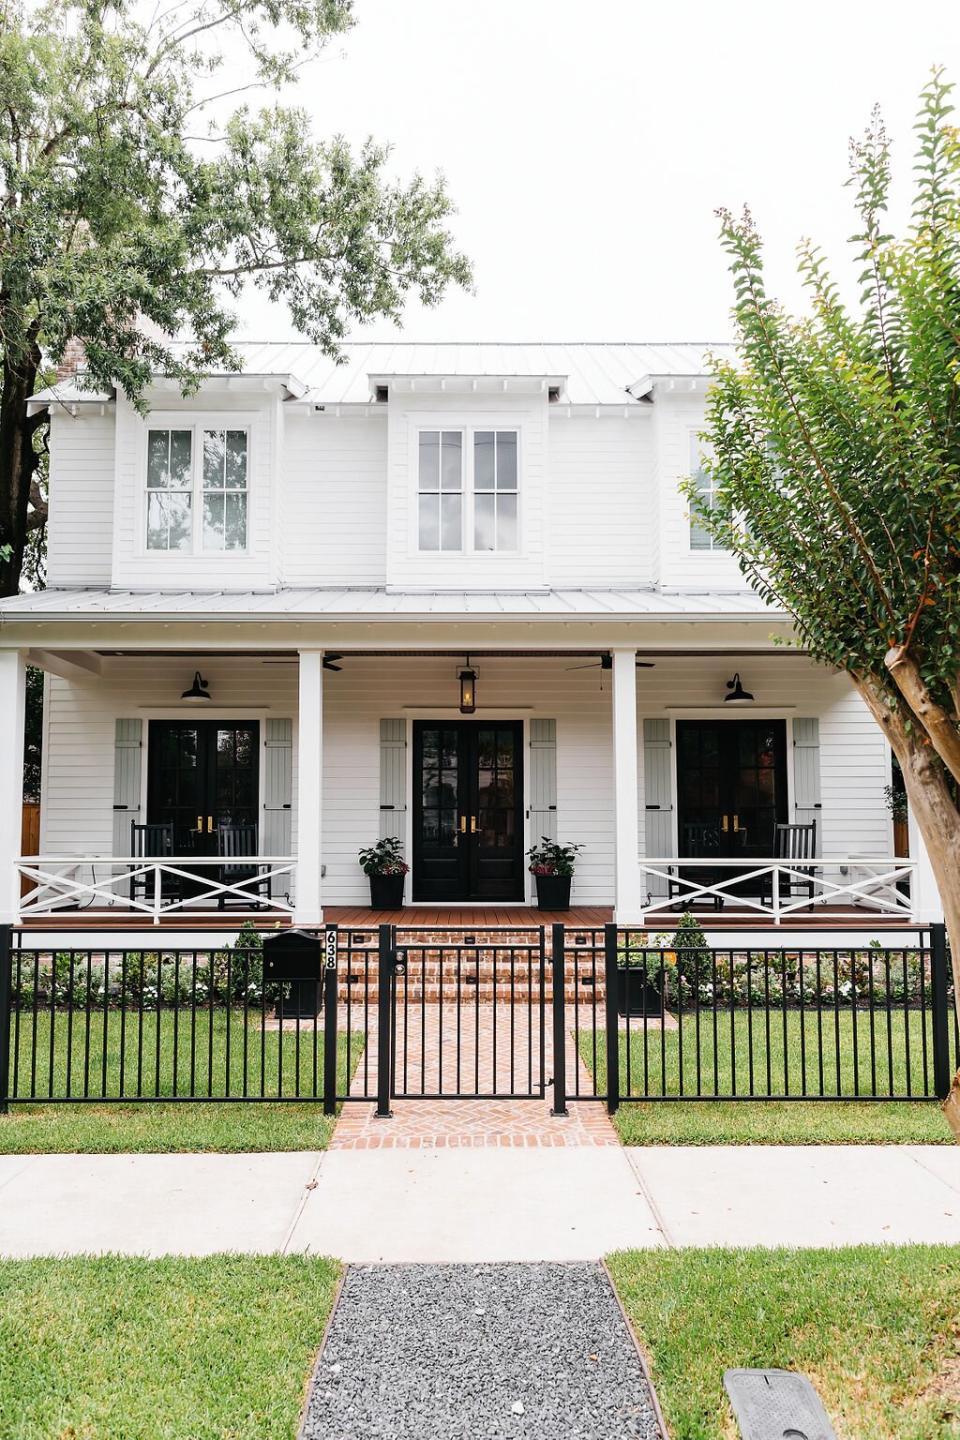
308, 909
924, 895
629, 901
12, 692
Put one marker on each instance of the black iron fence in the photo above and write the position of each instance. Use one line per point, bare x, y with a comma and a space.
386, 1012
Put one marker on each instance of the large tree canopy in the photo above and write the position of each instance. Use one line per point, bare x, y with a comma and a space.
136, 202
834, 444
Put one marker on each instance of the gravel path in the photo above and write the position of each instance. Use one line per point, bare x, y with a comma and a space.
440, 1351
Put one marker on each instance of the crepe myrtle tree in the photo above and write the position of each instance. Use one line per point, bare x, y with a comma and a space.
833, 441
139, 195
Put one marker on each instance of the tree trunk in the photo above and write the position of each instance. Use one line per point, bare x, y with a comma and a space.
938, 820
17, 464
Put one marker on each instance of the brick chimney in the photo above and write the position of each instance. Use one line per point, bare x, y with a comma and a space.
73, 357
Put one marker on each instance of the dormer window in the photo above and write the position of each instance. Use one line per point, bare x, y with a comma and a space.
468, 491
197, 489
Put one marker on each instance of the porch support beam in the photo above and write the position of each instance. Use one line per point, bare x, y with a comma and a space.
924, 895
67, 664
12, 695
308, 909
628, 900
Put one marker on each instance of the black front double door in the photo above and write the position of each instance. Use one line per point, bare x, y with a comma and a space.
732, 791
468, 810
201, 775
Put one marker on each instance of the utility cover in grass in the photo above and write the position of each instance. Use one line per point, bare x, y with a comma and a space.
482, 1351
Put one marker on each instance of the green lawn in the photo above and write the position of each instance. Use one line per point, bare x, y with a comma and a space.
875, 1328
671, 1062
126, 1349
218, 1054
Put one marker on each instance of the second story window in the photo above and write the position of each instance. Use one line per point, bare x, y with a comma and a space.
495, 490
170, 490
468, 491
224, 490
197, 490
700, 537
440, 490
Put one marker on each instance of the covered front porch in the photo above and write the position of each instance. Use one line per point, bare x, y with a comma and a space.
252, 800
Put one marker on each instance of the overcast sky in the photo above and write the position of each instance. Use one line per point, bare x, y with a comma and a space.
587, 145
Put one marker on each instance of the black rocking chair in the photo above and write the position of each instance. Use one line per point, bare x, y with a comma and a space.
792, 843
238, 845
152, 842
701, 839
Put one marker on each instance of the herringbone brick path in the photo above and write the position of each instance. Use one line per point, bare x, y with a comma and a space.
431, 1070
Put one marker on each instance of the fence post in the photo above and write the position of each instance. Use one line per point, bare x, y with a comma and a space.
384, 1012
558, 968
940, 1006
611, 981
331, 940
6, 959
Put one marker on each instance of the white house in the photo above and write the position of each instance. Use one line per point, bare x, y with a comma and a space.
324, 548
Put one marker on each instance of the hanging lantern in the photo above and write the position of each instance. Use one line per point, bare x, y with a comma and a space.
468, 689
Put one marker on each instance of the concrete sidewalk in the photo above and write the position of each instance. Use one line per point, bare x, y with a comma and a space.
478, 1205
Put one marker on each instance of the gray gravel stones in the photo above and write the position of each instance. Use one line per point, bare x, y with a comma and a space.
509, 1351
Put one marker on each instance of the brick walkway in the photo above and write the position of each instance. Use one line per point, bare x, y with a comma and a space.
431, 1069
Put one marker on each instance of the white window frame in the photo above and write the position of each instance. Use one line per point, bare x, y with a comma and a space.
196, 423
696, 467
468, 491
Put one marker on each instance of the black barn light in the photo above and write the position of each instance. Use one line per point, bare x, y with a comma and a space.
468, 689
198, 694
737, 695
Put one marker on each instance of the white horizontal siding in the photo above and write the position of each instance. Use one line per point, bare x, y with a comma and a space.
333, 514
80, 529
678, 421
601, 504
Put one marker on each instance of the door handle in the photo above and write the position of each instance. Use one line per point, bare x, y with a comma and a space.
199, 824
473, 824
463, 824
736, 824
725, 824
209, 824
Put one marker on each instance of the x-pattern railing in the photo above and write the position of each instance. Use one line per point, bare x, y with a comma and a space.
158, 888
771, 885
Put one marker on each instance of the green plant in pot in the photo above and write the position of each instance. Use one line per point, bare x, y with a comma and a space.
387, 870
552, 866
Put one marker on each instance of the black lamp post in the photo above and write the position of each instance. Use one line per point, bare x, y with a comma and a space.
468, 689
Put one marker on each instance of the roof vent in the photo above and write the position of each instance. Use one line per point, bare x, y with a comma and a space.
553, 394
381, 394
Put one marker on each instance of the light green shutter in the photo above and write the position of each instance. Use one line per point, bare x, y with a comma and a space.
657, 796
543, 780
806, 772
393, 779
127, 751
277, 836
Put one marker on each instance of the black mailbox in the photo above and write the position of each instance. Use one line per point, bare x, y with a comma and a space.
292, 955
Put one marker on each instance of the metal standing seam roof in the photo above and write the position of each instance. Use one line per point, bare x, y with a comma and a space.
304, 604
595, 374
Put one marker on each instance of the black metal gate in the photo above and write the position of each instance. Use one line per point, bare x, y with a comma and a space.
465, 1015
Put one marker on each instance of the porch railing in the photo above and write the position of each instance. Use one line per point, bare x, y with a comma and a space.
777, 890
176, 885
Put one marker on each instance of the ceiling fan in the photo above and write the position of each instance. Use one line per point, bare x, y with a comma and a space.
329, 662
605, 662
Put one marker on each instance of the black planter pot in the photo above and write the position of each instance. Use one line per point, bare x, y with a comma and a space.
553, 891
635, 994
386, 891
